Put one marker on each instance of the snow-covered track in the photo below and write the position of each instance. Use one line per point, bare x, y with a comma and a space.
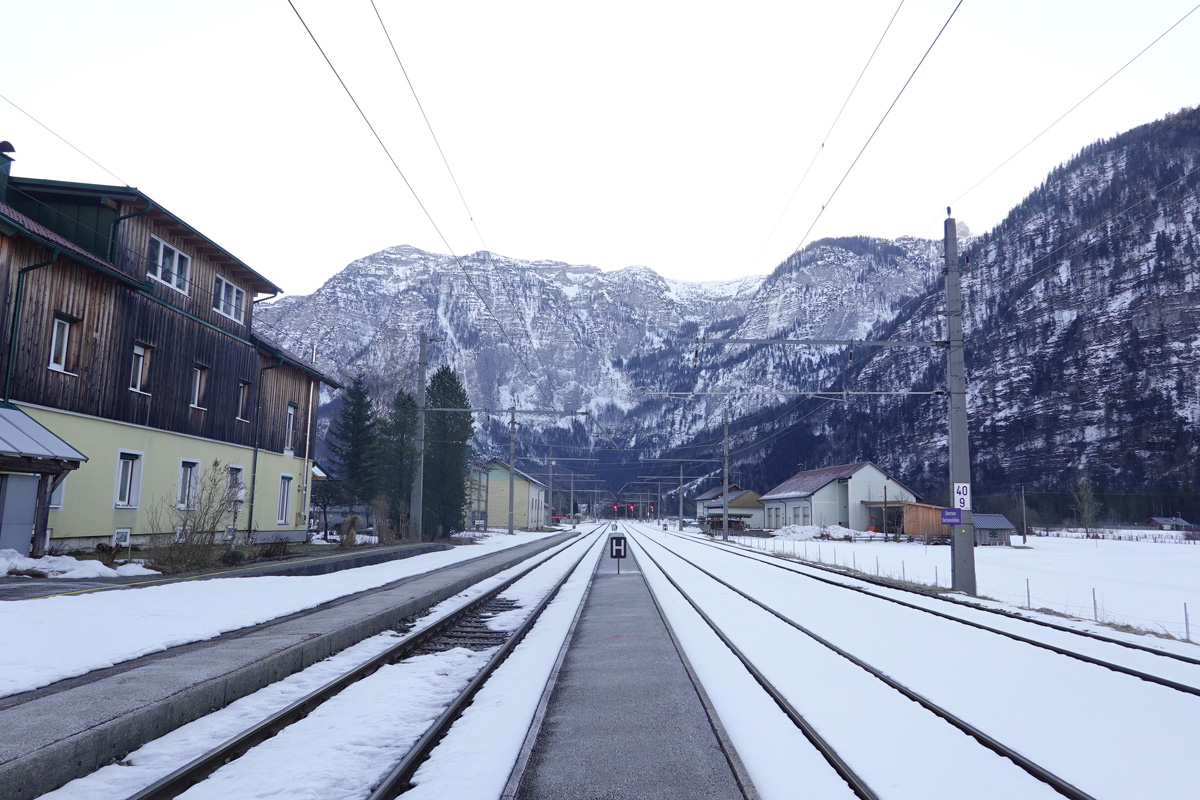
958, 612
459, 627
858, 784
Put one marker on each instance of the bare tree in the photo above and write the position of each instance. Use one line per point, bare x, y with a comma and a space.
184, 529
1085, 503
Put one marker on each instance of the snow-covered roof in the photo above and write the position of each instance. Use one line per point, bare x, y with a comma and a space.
992, 522
715, 492
1176, 521
732, 497
802, 484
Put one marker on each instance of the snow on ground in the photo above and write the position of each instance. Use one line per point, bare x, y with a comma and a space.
47, 639
66, 567
1140, 583
164, 755
1064, 714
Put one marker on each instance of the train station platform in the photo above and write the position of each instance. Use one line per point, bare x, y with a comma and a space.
624, 719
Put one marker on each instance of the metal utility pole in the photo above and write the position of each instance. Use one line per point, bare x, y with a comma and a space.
725, 487
572, 499
415, 505
512, 452
1024, 523
962, 541
681, 498
550, 488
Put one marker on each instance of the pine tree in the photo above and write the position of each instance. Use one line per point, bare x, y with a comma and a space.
446, 455
352, 444
397, 452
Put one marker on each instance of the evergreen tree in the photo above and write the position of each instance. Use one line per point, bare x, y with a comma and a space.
397, 454
352, 444
446, 455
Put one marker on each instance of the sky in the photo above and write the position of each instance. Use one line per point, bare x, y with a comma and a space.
664, 134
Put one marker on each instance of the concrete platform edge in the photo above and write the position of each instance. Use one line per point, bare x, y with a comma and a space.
53, 766
535, 725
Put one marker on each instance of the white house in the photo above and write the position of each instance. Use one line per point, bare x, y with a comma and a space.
713, 494
743, 507
832, 496
529, 498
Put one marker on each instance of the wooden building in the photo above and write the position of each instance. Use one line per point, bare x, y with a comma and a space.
129, 334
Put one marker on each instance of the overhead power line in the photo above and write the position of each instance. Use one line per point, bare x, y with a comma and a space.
413, 191
1085, 98
64, 141
877, 127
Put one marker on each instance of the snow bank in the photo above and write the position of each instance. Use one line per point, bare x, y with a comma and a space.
66, 567
804, 533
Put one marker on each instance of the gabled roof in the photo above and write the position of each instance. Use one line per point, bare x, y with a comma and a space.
992, 522
1178, 521
733, 498
291, 358
802, 484
497, 462
11, 218
716, 492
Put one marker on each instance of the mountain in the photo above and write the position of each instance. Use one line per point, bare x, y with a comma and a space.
1082, 323
546, 334
1080, 314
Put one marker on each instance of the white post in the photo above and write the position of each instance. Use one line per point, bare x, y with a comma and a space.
1187, 625
1028, 600
1095, 609
876, 565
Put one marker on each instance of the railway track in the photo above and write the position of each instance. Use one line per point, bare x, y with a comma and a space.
1186, 681
466, 626
788, 659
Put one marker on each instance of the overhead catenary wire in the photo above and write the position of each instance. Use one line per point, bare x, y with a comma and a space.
1080, 102
877, 127
51, 131
470, 281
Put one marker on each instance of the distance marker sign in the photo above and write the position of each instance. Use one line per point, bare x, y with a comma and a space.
962, 496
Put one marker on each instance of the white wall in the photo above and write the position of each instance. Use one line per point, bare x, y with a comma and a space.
868, 484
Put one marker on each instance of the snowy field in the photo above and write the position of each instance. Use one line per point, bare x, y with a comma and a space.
48, 639
1140, 583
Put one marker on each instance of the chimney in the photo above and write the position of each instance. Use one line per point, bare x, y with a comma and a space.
5, 164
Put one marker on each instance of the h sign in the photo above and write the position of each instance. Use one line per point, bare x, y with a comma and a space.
616, 547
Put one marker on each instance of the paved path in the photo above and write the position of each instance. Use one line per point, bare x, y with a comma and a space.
624, 720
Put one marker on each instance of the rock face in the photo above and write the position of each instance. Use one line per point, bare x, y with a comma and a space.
553, 335
1081, 313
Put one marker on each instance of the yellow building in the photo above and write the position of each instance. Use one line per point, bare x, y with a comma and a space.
529, 498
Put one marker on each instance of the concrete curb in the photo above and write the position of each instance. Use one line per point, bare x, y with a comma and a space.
59, 762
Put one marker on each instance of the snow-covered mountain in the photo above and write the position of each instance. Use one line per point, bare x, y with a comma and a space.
553, 335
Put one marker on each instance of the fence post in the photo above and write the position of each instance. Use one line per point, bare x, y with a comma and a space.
1187, 625
1028, 601
1095, 611
903, 574
877, 566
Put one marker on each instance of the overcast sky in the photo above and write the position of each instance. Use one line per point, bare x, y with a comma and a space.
668, 134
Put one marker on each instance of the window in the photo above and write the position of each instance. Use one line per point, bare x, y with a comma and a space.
229, 299
199, 379
243, 401
189, 483
235, 490
289, 428
137, 378
285, 499
166, 264
129, 479
59, 337
56, 499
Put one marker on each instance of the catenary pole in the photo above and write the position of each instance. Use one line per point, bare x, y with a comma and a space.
512, 451
681, 498
962, 542
415, 506
725, 484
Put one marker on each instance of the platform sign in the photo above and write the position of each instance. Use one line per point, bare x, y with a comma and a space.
616, 547
951, 516
962, 496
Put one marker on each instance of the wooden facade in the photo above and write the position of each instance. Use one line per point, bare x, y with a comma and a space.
200, 370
